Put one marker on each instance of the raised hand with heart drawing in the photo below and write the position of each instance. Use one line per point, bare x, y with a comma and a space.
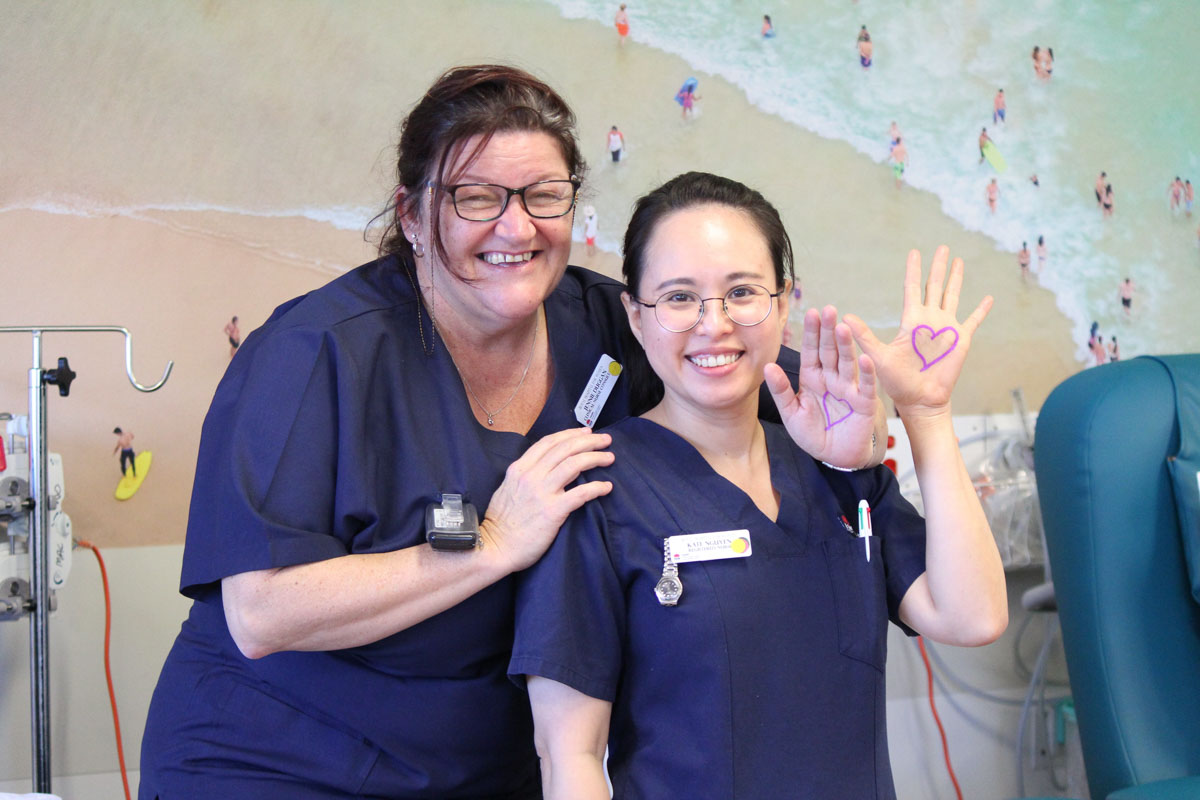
837, 408
919, 367
961, 598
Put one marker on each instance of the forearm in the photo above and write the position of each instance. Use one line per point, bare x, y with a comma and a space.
570, 731
351, 600
967, 599
578, 776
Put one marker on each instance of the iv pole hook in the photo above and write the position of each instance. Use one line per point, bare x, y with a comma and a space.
100, 328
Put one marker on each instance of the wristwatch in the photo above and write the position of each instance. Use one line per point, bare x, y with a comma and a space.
669, 588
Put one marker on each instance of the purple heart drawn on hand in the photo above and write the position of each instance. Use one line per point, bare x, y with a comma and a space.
837, 401
929, 362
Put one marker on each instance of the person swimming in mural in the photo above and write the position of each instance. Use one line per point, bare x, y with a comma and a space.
1126, 291
591, 227
687, 97
865, 48
1023, 258
1175, 193
899, 158
621, 20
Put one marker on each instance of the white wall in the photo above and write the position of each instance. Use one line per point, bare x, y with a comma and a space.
147, 612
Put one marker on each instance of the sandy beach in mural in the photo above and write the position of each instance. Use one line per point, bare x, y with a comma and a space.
166, 166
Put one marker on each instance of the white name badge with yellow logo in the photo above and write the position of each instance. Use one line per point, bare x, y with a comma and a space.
709, 546
596, 393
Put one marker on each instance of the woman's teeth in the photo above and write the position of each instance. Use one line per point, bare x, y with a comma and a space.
507, 258
714, 361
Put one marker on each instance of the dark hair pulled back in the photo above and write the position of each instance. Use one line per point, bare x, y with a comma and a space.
466, 102
686, 191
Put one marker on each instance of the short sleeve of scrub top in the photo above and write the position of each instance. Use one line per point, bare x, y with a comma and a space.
767, 679
333, 429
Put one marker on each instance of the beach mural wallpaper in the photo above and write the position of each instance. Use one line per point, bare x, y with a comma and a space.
169, 166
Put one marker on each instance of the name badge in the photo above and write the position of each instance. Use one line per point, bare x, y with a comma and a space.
599, 387
709, 546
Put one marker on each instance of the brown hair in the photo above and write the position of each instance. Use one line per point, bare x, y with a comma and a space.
466, 102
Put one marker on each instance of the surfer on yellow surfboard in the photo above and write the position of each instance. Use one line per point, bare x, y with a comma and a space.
988, 151
138, 465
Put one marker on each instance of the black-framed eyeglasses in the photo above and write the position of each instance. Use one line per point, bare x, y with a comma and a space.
484, 202
680, 310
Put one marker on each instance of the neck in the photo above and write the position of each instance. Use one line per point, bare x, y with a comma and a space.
722, 436
504, 363
732, 443
472, 336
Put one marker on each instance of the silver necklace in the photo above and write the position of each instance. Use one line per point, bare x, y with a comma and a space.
492, 414
433, 325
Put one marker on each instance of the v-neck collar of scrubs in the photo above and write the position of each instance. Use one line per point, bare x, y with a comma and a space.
556, 413
796, 504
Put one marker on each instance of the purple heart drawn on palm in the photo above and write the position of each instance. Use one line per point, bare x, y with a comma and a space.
932, 345
838, 403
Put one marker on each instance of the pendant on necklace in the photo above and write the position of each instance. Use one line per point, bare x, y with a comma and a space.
490, 422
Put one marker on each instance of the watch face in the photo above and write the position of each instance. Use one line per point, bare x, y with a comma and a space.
668, 590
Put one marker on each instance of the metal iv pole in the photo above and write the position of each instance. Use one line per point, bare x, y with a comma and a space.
38, 504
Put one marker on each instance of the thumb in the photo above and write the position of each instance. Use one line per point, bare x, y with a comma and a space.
863, 336
781, 390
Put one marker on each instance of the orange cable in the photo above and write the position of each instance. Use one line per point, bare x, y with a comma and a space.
112, 695
937, 719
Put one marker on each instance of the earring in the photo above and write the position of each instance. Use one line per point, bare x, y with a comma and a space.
418, 248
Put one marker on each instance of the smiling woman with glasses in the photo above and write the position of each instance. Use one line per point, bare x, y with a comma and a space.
715, 619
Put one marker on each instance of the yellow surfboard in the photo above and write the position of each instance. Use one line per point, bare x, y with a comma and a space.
994, 158
130, 483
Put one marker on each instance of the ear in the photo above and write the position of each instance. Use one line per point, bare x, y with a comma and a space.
410, 219
634, 311
784, 301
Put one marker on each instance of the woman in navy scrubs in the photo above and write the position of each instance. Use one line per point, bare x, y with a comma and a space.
714, 619
332, 651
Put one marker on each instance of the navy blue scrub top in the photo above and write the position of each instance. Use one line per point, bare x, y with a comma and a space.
767, 680
329, 434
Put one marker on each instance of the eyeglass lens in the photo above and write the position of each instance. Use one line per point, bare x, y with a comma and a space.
680, 310
481, 202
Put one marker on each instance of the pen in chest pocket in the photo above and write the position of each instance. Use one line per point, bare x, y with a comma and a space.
864, 526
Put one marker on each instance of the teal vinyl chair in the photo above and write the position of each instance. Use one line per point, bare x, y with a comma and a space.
1130, 622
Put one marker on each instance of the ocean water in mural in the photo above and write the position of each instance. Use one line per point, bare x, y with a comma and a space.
1121, 99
